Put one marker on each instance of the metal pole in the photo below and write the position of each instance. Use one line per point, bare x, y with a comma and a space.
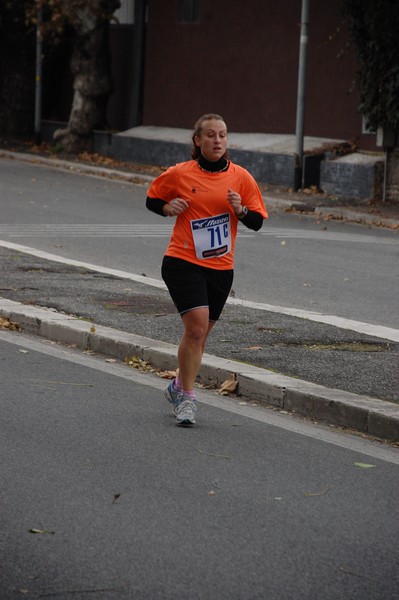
385, 183
300, 110
135, 117
38, 80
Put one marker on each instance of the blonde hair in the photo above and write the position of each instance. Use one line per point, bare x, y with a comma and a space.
195, 150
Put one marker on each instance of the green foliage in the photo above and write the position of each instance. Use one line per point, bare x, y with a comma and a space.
374, 31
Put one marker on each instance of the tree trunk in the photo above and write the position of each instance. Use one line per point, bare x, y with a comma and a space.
91, 67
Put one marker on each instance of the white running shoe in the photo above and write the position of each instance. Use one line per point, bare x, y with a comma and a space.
185, 410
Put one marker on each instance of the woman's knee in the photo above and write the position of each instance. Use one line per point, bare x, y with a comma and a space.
196, 325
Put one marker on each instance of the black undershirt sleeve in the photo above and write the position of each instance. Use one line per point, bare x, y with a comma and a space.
252, 220
155, 205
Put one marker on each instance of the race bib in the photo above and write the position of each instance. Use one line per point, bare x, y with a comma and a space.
212, 236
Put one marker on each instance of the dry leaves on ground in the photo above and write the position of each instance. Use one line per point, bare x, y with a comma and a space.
7, 324
112, 163
142, 365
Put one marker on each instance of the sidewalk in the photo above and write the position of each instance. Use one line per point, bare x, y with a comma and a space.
291, 364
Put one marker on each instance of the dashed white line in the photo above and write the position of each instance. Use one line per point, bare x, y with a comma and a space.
161, 230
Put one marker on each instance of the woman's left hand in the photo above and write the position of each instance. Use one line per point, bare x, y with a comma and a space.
234, 199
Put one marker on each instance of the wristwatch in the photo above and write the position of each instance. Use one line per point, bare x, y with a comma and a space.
243, 214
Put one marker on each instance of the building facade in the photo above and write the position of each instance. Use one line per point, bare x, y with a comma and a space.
174, 60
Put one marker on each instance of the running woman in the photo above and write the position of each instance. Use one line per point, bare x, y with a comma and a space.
208, 195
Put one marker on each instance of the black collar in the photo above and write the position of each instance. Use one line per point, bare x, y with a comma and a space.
210, 166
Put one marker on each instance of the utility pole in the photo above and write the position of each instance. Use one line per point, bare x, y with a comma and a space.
300, 110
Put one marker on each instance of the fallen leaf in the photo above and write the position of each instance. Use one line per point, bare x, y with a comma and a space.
313, 189
22, 351
364, 465
116, 497
41, 531
230, 385
254, 348
167, 374
110, 360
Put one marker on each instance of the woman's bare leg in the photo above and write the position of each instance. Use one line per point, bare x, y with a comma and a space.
192, 345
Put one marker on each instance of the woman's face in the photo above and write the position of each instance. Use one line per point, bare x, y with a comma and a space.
213, 139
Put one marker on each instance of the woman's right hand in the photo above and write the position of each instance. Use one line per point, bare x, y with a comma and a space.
175, 207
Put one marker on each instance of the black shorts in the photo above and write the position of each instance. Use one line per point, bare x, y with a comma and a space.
193, 286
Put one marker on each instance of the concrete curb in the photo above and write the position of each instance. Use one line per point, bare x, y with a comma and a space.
368, 415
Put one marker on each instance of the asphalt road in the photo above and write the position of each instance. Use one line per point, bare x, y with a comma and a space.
345, 270
102, 496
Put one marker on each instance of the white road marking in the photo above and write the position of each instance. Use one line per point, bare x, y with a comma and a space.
164, 230
327, 236
86, 230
